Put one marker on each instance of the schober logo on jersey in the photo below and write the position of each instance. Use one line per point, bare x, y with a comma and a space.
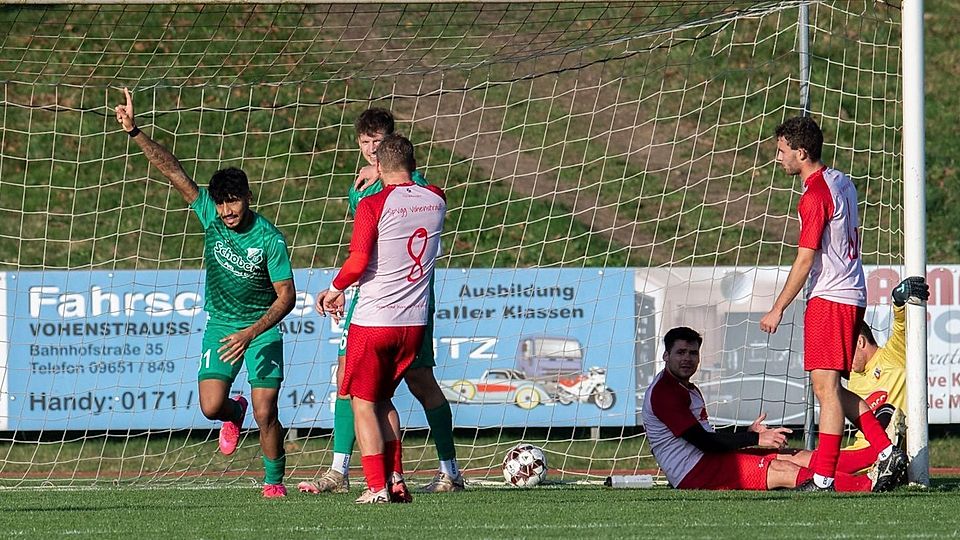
234, 263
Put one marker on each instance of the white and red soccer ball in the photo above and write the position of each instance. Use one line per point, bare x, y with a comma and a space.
525, 465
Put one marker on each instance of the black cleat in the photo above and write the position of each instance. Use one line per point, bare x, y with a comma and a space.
891, 472
810, 485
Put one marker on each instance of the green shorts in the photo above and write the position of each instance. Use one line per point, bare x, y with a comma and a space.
425, 358
264, 357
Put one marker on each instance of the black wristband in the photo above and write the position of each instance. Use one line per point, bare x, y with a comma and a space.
134, 132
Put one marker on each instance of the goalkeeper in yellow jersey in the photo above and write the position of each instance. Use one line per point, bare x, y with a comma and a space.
879, 374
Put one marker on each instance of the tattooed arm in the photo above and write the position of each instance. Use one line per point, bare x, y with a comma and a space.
159, 157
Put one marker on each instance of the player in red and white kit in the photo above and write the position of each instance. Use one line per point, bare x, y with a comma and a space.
695, 456
395, 243
828, 260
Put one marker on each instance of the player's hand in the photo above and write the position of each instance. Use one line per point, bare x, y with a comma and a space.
771, 321
366, 177
913, 290
125, 112
774, 437
330, 303
758, 426
234, 346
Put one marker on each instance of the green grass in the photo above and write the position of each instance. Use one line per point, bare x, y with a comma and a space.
164, 459
546, 512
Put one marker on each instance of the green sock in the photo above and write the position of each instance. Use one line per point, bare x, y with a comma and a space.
273, 469
343, 434
441, 427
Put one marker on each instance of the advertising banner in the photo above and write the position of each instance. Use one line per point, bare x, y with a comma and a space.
513, 347
744, 371
120, 350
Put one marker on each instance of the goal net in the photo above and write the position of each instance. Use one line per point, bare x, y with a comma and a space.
609, 170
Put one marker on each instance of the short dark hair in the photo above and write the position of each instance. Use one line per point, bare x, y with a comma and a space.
802, 132
867, 333
229, 184
395, 153
373, 121
681, 333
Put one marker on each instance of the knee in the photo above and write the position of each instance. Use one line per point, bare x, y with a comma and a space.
265, 415
782, 474
211, 407
826, 390
424, 387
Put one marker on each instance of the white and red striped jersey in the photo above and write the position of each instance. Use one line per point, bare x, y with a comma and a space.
395, 243
670, 409
829, 224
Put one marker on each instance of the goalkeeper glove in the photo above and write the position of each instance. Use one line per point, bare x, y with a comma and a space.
913, 290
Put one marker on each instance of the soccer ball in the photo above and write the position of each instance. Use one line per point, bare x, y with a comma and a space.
524, 466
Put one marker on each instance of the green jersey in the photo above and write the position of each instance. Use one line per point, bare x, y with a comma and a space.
354, 196
242, 266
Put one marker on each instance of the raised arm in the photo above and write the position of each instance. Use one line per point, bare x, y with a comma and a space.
159, 157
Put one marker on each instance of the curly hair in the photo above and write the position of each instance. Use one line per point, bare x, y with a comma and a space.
802, 132
228, 185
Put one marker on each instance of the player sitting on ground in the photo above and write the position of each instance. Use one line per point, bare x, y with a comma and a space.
393, 250
371, 127
249, 289
695, 456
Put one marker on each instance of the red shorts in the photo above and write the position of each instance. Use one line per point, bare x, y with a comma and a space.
377, 358
742, 469
830, 331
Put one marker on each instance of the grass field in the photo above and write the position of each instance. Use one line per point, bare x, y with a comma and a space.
543, 512
253, 86
558, 509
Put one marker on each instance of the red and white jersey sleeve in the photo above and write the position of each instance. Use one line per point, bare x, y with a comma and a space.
670, 409
397, 235
829, 224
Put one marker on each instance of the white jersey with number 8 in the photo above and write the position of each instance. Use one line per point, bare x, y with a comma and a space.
400, 226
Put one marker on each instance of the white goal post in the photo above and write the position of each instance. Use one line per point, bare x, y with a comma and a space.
609, 169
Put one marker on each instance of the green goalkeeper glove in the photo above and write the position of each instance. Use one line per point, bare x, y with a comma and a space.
913, 290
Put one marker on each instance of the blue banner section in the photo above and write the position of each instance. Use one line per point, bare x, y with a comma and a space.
120, 350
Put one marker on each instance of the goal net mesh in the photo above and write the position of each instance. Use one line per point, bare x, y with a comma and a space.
609, 171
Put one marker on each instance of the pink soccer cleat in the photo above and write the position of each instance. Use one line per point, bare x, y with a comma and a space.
272, 491
230, 431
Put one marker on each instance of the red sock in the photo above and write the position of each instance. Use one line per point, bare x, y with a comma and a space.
824, 461
854, 461
394, 453
852, 482
873, 432
375, 471
803, 475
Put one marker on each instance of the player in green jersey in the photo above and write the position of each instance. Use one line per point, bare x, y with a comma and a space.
372, 126
249, 289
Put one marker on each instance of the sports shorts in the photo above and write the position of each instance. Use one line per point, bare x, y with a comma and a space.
377, 358
263, 358
830, 331
741, 469
425, 357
